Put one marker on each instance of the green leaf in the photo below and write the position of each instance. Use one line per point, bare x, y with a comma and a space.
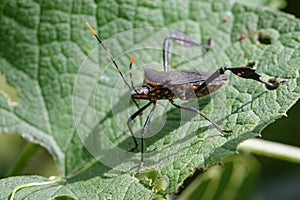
76, 105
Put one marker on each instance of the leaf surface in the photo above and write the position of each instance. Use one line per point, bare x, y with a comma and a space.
73, 102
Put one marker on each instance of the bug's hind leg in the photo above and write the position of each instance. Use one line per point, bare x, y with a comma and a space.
182, 39
250, 73
192, 109
243, 72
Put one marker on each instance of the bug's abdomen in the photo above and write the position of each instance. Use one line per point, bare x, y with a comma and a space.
161, 93
196, 89
204, 89
183, 91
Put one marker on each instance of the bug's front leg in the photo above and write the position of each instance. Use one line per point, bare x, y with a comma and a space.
182, 39
130, 119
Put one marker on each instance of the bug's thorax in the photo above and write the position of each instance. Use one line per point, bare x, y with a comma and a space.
152, 93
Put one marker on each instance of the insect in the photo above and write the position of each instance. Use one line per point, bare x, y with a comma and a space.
182, 84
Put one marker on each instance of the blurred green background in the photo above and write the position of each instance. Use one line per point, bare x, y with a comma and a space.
279, 179
276, 179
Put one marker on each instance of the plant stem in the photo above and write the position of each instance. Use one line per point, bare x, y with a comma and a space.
23, 159
271, 149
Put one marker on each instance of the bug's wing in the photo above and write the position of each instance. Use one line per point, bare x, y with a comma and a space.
184, 84
180, 77
172, 77
152, 76
187, 84
186, 76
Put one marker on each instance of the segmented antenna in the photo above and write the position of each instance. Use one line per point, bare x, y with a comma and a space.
109, 55
115, 64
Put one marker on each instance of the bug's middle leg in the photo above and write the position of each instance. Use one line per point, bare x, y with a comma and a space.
192, 109
182, 39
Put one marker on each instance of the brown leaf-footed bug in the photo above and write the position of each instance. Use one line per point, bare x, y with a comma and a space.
182, 84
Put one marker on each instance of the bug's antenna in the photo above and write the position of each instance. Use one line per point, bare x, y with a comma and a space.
108, 54
130, 74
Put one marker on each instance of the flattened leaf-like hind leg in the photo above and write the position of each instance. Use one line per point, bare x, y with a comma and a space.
243, 72
182, 39
250, 73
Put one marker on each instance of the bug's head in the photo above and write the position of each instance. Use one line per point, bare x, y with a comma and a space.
140, 93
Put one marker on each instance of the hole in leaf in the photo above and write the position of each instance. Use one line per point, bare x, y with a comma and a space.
64, 197
8, 91
261, 38
276, 82
153, 179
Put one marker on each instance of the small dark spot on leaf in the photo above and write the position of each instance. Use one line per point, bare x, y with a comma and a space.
244, 36
225, 20
261, 38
